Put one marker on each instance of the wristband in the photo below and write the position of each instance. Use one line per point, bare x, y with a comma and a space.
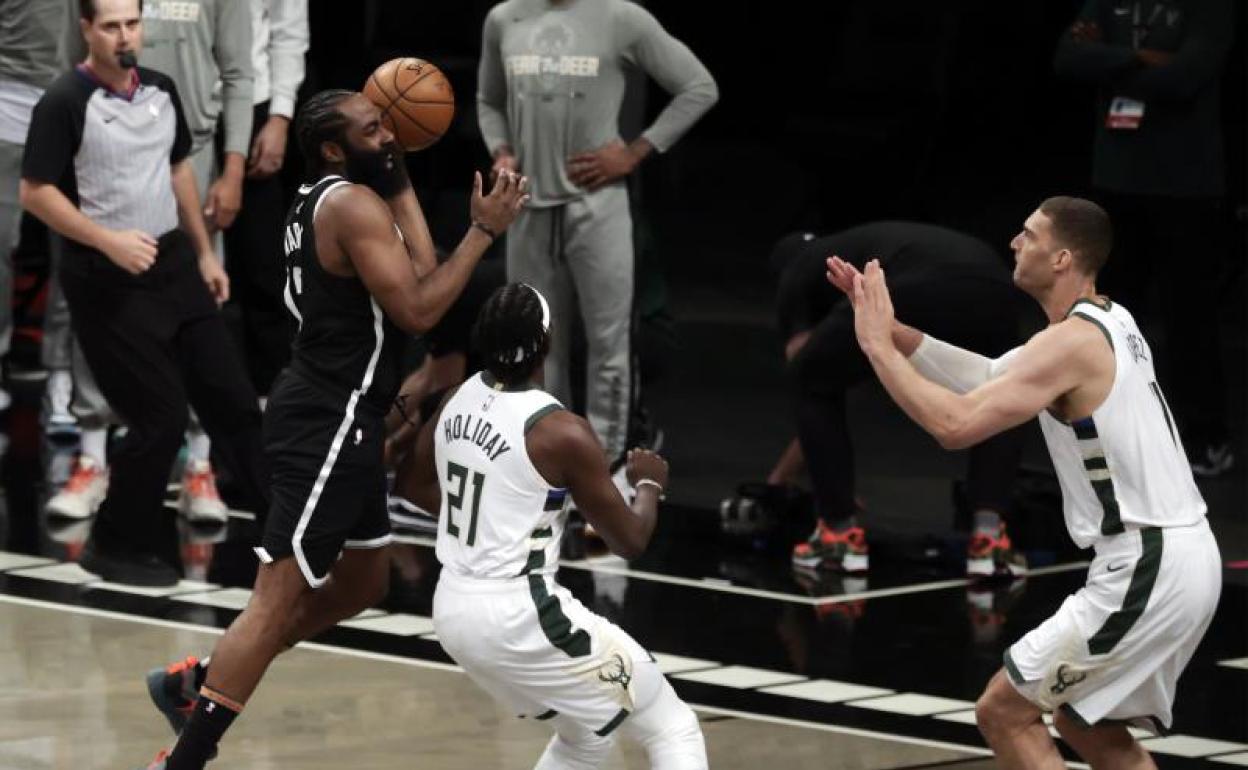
493, 235
651, 483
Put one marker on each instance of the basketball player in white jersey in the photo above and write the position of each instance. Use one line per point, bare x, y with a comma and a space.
507, 456
1113, 652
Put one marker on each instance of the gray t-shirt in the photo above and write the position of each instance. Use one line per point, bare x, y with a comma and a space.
552, 79
111, 153
205, 46
39, 40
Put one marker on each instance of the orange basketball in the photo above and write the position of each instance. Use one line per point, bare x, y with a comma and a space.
416, 101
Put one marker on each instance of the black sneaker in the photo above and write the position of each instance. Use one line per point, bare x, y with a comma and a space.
174, 692
1212, 460
131, 569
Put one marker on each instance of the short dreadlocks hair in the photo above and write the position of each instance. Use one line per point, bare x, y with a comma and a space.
512, 333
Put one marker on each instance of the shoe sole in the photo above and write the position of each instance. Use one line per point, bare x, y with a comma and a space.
156, 690
854, 562
67, 513
202, 517
986, 568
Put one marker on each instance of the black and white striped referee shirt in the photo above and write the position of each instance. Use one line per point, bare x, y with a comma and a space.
109, 152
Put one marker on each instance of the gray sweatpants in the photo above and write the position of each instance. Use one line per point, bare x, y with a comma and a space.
580, 255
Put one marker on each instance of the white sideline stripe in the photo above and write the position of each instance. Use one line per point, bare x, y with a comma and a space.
172, 505
912, 704
226, 598
817, 601
1181, 747
1240, 759
610, 565
9, 561
1189, 746
1236, 663
67, 572
677, 664
182, 587
398, 624
828, 728
178, 625
416, 663
740, 677
826, 691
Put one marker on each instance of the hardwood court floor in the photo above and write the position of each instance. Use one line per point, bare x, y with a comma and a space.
73, 697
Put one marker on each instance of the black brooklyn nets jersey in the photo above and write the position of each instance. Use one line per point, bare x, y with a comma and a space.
345, 340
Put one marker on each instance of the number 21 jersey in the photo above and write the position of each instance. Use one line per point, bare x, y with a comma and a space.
499, 518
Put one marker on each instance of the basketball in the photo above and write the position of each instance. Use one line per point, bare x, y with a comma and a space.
416, 100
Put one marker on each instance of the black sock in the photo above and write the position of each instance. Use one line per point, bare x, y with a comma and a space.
198, 741
201, 673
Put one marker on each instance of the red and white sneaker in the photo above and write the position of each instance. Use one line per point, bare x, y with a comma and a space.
83, 492
994, 556
839, 550
199, 500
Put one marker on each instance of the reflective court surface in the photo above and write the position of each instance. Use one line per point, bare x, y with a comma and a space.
820, 671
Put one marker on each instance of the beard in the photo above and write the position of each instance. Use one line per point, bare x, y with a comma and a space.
127, 60
383, 170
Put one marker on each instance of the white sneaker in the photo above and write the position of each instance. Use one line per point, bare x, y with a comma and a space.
56, 400
83, 493
199, 500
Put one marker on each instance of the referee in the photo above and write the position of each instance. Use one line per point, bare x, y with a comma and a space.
106, 166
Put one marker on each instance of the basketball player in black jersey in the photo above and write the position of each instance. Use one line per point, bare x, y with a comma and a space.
360, 274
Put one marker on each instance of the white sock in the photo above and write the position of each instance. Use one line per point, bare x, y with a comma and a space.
198, 447
95, 445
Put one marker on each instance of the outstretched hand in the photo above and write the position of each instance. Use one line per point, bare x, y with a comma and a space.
841, 274
873, 310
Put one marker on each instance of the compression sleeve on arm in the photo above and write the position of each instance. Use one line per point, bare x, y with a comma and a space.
959, 370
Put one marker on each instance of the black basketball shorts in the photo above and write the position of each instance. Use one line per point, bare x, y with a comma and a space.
328, 489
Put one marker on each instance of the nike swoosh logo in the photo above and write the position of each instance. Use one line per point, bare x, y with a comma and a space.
1112, 568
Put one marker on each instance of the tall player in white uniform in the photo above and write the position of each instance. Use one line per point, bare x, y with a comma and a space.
1113, 652
507, 458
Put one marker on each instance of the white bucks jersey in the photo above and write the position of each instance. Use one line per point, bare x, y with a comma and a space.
499, 518
1124, 465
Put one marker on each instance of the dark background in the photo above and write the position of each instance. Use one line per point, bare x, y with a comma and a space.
829, 114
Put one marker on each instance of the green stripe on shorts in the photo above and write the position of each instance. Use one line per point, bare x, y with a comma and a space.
555, 624
1012, 669
1143, 578
609, 727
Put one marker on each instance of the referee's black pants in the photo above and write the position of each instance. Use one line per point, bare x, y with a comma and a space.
155, 341
977, 314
